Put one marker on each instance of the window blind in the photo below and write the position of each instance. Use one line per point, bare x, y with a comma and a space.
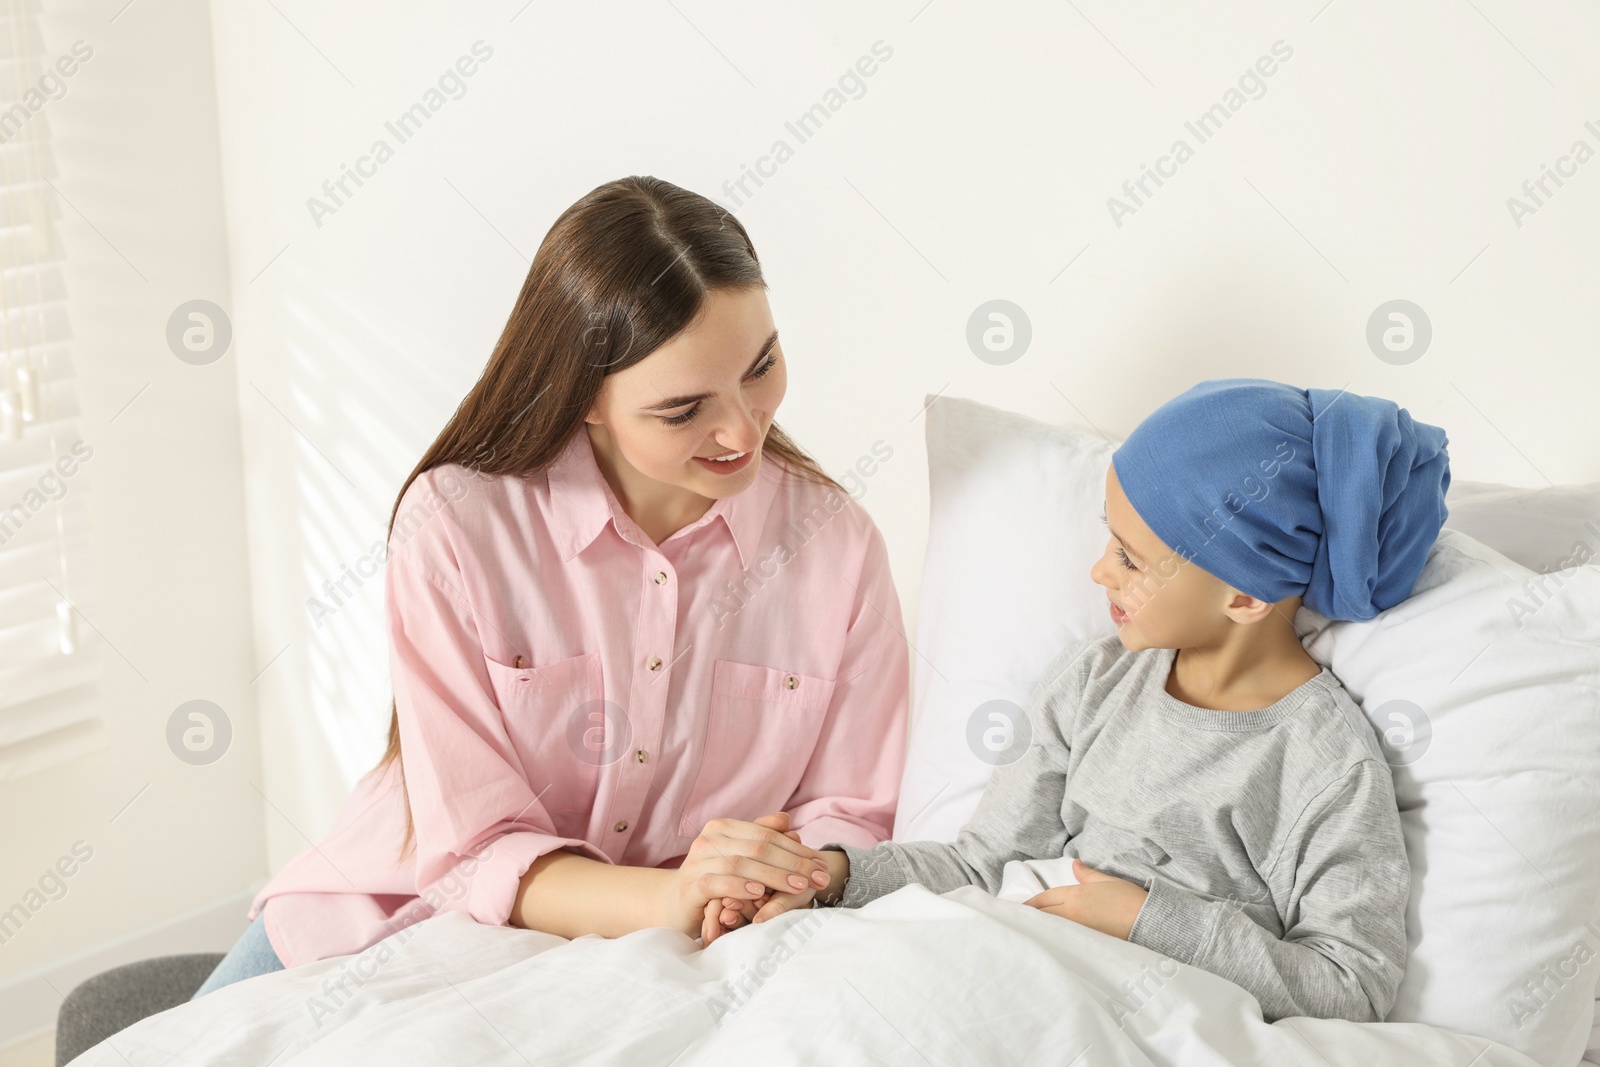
50, 700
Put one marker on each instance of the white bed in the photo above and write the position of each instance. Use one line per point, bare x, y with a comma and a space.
1501, 805
912, 978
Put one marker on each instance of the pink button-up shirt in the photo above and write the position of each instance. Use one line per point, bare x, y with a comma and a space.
564, 682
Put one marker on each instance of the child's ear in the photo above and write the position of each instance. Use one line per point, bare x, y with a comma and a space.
1245, 609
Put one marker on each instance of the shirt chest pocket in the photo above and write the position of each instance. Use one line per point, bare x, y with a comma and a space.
762, 727
562, 729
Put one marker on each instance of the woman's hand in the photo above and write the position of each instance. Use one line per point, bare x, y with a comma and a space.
730, 913
1100, 901
741, 861
734, 913
838, 867
737, 912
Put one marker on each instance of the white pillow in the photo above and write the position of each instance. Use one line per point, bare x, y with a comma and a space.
1487, 699
1014, 525
1507, 787
1542, 529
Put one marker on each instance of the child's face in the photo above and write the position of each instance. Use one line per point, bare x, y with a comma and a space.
1158, 599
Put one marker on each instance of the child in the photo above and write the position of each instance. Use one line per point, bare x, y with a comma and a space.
1218, 795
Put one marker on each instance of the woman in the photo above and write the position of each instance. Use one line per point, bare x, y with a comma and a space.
627, 617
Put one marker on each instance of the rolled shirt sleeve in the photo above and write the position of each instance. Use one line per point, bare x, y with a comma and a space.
479, 825
852, 780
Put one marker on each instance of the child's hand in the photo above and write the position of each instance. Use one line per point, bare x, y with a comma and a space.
777, 903
728, 914
717, 922
1099, 901
734, 913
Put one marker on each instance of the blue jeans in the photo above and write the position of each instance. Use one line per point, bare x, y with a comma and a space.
251, 955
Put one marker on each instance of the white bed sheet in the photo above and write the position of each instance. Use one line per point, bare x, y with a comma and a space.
912, 978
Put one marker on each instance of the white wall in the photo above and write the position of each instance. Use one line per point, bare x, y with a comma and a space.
976, 165
135, 143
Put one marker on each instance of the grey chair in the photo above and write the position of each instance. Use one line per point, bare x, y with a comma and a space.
113, 1000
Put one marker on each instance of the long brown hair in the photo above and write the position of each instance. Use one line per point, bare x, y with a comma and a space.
622, 271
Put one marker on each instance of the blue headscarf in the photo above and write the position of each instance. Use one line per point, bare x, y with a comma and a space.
1281, 491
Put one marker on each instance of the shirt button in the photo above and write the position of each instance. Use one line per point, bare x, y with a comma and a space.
661, 577
791, 682
620, 827
641, 755
655, 664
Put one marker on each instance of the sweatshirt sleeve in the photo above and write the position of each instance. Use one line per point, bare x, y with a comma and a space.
1018, 817
1346, 883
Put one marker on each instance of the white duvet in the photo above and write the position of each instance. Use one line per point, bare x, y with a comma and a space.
912, 978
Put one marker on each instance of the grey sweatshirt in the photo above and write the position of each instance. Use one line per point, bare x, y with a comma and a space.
1269, 841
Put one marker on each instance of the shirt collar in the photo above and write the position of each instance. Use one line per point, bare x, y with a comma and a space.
582, 503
